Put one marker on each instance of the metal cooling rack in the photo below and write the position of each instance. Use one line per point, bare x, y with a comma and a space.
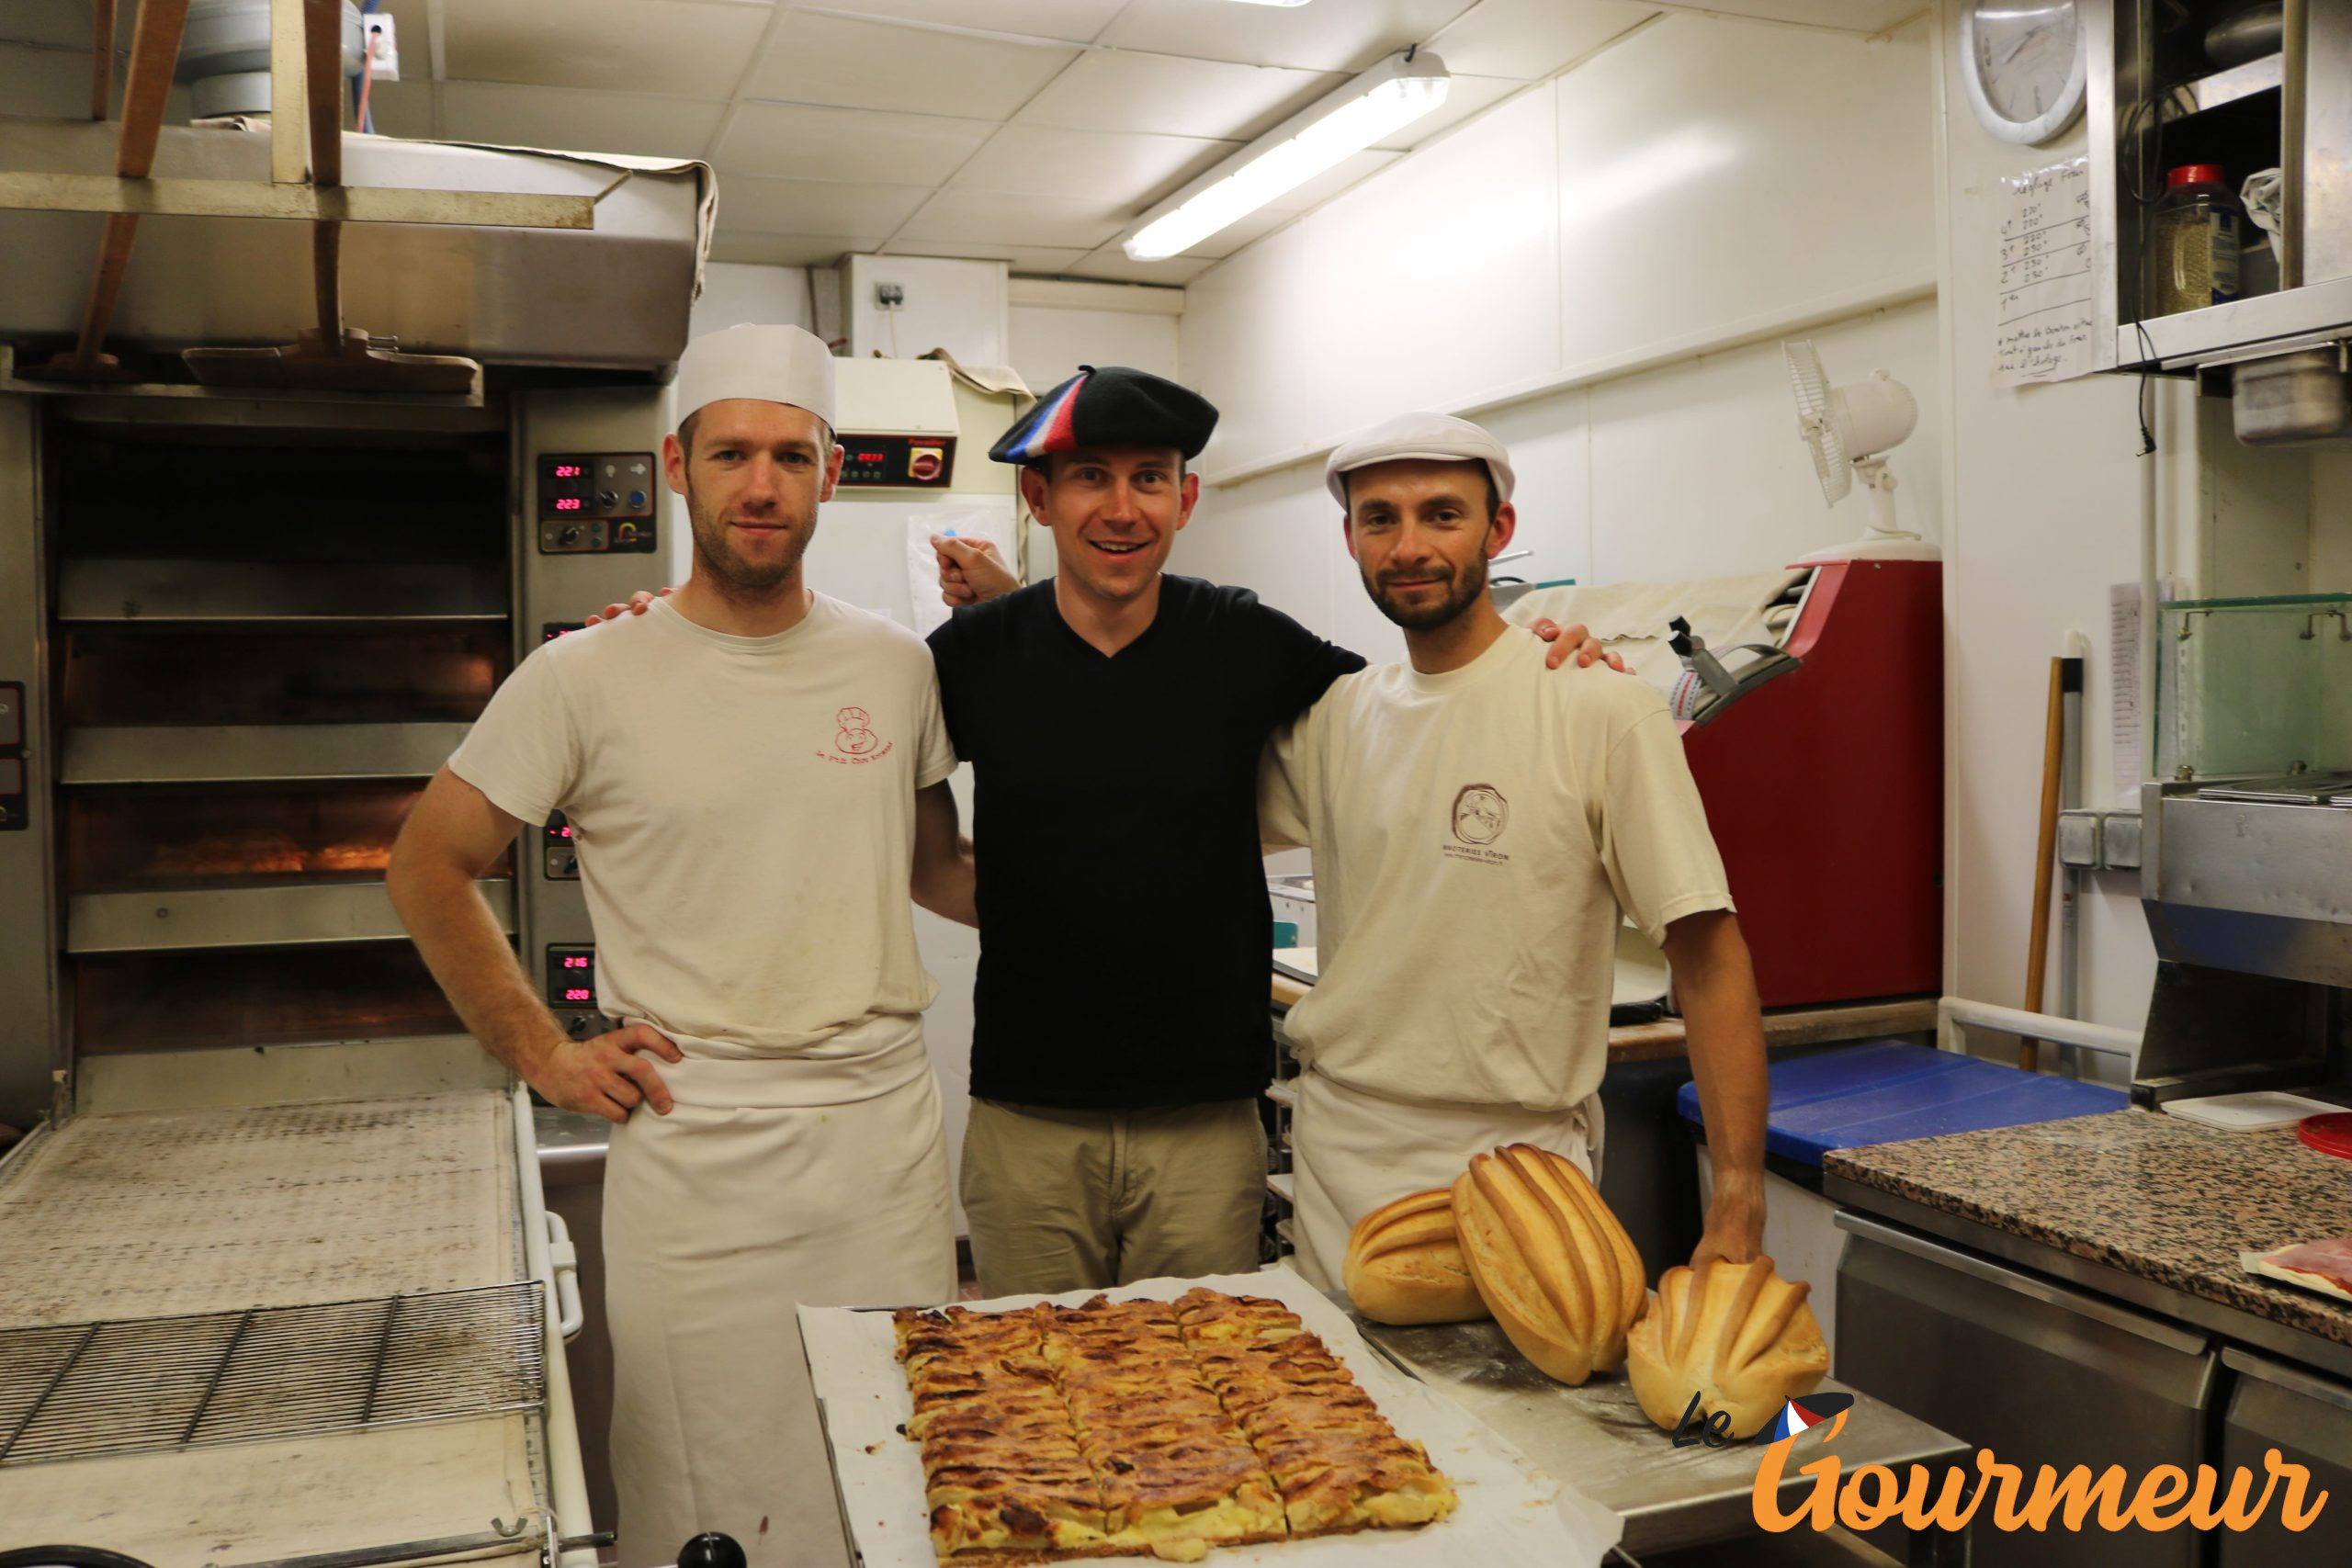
76, 1390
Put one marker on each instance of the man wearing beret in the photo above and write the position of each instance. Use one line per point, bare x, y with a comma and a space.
1114, 717
1479, 828
789, 1148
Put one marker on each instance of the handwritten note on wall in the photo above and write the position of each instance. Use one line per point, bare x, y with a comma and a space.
2044, 313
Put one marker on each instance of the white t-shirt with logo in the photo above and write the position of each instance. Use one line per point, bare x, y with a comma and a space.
1477, 834
743, 809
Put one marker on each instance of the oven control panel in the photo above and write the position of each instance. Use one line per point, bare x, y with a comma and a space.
16, 798
597, 502
561, 859
571, 975
897, 462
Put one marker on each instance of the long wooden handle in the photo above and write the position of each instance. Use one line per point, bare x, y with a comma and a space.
155, 51
2037, 962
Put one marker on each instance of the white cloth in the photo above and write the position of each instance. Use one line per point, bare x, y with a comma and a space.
1476, 835
771, 363
1353, 1152
751, 1196
743, 808
1633, 619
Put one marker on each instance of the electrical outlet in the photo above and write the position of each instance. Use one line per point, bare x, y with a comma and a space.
385, 44
890, 296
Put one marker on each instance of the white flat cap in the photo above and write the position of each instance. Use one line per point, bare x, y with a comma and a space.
1435, 437
775, 365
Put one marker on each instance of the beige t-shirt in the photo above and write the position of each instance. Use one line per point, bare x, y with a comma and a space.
743, 809
1477, 834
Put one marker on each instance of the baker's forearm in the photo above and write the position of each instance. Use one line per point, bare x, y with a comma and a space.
943, 879
467, 952
1715, 984
947, 887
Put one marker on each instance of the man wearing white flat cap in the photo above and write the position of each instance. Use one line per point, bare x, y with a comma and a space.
1478, 826
755, 774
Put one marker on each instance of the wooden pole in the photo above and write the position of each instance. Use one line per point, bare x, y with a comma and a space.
155, 51
101, 56
322, 84
2037, 962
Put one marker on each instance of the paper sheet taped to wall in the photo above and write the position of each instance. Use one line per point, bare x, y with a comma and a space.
2044, 313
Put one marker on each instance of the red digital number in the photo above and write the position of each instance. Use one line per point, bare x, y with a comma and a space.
569, 470
569, 503
579, 994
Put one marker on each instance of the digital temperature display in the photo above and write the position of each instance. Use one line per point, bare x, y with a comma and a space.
572, 976
569, 470
568, 503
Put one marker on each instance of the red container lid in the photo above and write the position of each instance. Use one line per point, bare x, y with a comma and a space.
2330, 1134
2194, 174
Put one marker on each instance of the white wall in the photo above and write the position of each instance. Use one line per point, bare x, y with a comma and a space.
1634, 235
1050, 342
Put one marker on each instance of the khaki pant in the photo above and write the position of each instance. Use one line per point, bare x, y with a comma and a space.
1085, 1200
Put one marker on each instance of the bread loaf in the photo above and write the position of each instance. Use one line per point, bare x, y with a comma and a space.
1550, 1260
1737, 1335
1404, 1264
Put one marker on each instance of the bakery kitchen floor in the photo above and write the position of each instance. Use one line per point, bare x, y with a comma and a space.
1832, 1547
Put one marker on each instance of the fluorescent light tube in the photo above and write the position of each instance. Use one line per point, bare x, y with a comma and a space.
1274, 2
1381, 101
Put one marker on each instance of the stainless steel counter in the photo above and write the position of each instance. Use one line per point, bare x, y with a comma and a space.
1596, 1439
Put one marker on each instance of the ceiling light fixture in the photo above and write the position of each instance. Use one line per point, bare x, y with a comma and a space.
1381, 101
1274, 2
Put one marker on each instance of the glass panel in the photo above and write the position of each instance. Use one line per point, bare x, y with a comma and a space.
443, 674
154, 836
197, 1001
2260, 686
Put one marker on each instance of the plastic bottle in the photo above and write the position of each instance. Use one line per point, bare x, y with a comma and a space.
2193, 251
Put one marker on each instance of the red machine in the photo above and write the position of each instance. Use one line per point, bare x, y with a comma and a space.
1822, 778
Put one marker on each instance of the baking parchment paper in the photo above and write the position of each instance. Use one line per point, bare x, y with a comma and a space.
1512, 1515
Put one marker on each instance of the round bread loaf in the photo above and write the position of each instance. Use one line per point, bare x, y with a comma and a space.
1550, 1260
1404, 1264
1737, 1335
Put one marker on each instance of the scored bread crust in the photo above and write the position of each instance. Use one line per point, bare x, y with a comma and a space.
1551, 1261
1404, 1264
1736, 1335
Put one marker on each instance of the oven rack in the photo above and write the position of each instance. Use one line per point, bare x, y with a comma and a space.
133, 1385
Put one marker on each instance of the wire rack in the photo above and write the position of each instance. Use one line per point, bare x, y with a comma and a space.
76, 1390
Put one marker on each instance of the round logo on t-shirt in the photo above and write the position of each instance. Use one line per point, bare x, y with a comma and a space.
1479, 813
854, 738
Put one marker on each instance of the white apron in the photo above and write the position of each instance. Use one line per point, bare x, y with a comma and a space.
818, 1178
1351, 1152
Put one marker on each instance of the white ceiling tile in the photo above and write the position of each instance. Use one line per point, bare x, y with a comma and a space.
1027, 261
786, 250
1465, 97
785, 140
569, 120
1114, 90
1529, 40
991, 218
1120, 172
860, 64
1336, 35
692, 49
1077, 20
1863, 17
748, 203
1112, 264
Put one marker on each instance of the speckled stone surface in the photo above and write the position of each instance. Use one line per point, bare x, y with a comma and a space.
2170, 1200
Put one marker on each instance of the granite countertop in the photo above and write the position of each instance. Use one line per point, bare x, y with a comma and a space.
2170, 1200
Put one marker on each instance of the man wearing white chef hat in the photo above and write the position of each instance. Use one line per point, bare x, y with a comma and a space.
1479, 828
755, 775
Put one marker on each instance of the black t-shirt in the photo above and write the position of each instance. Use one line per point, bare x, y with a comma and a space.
1125, 931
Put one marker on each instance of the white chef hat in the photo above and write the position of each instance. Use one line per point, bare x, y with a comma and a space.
775, 365
1436, 437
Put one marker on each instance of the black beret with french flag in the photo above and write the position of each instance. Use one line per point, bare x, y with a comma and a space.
1112, 406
